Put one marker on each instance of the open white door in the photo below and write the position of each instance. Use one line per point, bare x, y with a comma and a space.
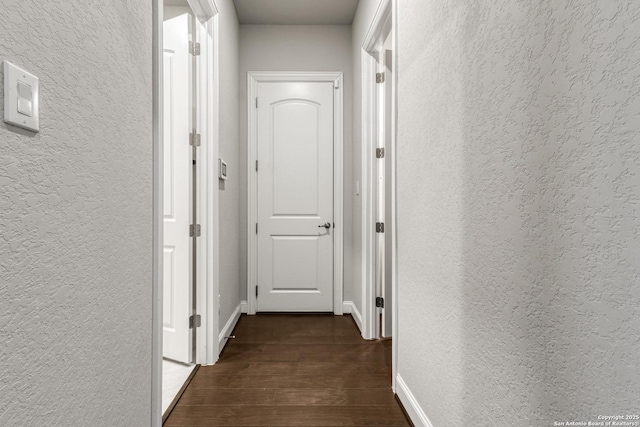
177, 278
295, 131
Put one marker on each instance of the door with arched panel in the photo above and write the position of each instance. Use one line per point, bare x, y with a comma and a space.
295, 132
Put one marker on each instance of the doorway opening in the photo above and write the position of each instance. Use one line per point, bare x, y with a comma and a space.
185, 203
378, 60
295, 227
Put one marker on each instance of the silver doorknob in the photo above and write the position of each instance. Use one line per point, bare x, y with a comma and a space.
327, 225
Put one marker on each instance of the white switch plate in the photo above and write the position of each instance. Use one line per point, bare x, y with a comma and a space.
21, 90
222, 169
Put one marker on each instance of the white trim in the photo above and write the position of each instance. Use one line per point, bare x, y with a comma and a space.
207, 275
204, 9
368, 196
394, 203
380, 26
385, 20
158, 220
411, 405
207, 279
253, 78
349, 307
338, 194
228, 328
243, 307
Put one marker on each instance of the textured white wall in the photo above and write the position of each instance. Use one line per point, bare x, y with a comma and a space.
296, 48
76, 217
361, 23
230, 191
519, 209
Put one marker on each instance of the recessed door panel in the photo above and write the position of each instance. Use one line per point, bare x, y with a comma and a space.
295, 263
169, 200
295, 157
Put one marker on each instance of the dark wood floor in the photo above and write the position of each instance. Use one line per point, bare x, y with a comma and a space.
294, 370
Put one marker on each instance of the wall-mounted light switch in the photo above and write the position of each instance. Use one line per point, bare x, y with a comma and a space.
25, 99
21, 90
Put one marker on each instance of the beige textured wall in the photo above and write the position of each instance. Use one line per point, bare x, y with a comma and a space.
519, 210
76, 217
231, 196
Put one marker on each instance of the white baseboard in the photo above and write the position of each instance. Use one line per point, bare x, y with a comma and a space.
411, 405
228, 328
243, 307
348, 307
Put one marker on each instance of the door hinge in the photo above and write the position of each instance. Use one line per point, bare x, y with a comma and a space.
194, 48
256, 291
379, 302
379, 77
256, 228
379, 227
195, 321
194, 230
379, 153
256, 102
256, 166
194, 139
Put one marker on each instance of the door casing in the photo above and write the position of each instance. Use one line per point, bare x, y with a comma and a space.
383, 22
206, 274
253, 78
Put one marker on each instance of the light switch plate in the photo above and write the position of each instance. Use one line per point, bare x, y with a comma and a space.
21, 91
222, 169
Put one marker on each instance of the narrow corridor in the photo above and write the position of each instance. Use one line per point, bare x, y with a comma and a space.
294, 370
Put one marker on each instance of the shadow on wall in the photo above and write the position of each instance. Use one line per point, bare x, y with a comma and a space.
551, 211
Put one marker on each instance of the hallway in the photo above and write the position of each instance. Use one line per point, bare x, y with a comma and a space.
295, 370
513, 223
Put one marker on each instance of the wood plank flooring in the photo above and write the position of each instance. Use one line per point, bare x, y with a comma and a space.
293, 370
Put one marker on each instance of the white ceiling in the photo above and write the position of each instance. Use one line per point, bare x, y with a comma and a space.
296, 12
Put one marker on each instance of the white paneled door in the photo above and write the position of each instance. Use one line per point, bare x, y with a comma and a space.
295, 132
177, 189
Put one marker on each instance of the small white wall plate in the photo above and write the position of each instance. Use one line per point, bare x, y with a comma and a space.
21, 93
222, 169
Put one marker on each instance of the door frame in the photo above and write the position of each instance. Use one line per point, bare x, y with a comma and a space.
383, 21
253, 78
207, 267
207, 270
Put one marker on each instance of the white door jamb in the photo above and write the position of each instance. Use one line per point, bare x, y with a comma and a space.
207, 278
158, 219
394, 194
253, 78
382, 23
207, 267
